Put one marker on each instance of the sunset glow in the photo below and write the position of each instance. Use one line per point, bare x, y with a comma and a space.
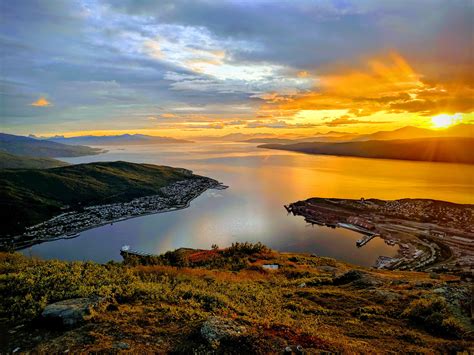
236, 176
444, 120
174, 74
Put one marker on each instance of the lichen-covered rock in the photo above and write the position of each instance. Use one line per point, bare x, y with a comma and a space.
122, 345
69, 312
215, 329
349, 277
385, 295
357, 278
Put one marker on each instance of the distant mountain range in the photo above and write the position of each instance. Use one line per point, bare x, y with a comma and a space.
235, 137
31, 147
269, 140
408, 132
123, 139
452, 150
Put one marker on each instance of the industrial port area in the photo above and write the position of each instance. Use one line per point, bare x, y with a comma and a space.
175, 196
431, 235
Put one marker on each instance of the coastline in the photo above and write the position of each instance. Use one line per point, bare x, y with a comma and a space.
212, 184
426, 238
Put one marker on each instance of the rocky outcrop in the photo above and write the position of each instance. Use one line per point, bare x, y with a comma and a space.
357, 278
215, 330
69, 312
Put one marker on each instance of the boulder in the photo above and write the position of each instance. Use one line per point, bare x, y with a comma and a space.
69, 312
349, 277
122, 345
327, 268
385, 295
357, 278
216, 329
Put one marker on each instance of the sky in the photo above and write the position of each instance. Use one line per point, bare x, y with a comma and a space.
189, 68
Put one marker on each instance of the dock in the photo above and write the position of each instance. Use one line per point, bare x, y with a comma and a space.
365, 239
368, 235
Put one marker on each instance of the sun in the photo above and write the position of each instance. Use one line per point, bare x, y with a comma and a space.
444, 120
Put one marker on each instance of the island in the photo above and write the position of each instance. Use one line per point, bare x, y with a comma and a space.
64, 201
432, 235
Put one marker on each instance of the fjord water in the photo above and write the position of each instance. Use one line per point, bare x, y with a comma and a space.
260, 182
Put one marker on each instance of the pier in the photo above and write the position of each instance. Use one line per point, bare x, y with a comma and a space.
365, 239
368, 235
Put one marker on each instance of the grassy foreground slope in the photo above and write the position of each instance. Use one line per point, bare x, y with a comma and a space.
450, 150
162, 304
12, 161
31, 196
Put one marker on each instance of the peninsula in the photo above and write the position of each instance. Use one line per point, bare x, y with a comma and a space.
440, 149
67, 200
432, 235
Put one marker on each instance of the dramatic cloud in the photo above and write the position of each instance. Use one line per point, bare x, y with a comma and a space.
168, 65
380, 84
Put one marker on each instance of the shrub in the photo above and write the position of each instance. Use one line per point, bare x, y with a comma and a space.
246, 248
26, 291
433, 314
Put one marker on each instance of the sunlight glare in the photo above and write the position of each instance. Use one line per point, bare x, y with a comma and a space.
444, 120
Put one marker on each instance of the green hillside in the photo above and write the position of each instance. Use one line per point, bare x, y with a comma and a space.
450, 150
12, 161
31, 196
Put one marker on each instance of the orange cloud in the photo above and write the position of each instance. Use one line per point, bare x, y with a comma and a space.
381, 84
303, 74
168, 115
153, 49
41, 102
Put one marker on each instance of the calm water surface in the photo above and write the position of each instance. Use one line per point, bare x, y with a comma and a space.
261, 181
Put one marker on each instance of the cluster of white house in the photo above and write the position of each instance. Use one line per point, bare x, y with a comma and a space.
175, 195
432, 211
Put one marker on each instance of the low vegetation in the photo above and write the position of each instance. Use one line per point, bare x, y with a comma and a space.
160, 304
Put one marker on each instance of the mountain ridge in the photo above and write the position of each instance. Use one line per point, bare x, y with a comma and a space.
125, 139
444, 149
31, 147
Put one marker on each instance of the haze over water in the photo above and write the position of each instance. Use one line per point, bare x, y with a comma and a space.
260, 182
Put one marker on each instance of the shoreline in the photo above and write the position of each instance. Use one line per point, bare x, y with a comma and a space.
426, 238
76, 233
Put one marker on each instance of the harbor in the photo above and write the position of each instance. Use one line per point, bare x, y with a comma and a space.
444, 244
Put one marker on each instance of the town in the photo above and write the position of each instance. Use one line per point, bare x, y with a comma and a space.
69, 224
431, 235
